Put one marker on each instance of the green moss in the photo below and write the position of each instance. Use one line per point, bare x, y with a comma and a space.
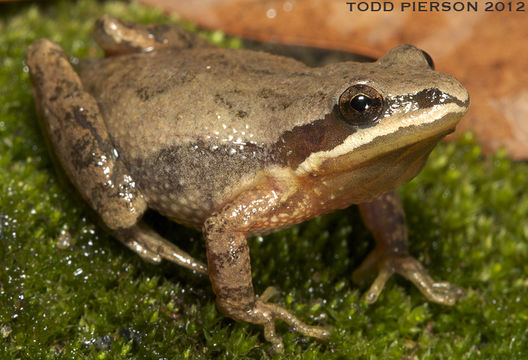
68, 290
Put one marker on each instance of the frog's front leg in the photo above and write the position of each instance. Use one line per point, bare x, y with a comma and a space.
77, 134
385, 218
230, 267
152, 247
117, 37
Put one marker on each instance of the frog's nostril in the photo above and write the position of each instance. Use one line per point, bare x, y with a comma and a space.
429, 60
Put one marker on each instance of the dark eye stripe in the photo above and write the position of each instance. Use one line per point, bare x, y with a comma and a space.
424, 99
296, 145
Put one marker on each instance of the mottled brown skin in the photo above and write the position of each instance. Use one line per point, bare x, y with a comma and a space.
238, 143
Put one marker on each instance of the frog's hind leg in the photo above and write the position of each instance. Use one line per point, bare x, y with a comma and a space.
79, 139
385, 218
118, 37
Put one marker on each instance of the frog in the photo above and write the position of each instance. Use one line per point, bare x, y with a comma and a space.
238, 143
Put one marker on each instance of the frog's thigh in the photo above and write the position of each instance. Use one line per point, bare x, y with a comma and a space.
78, 136
153, 247
230, 268
117, 37
385, 218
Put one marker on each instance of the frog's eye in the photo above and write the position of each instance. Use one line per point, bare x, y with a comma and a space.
360, 105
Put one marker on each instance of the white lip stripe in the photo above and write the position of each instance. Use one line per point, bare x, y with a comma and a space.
389, 125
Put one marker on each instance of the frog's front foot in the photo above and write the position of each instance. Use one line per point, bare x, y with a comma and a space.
388, 263
265, 313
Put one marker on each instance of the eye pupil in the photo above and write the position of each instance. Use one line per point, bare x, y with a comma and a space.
360, 102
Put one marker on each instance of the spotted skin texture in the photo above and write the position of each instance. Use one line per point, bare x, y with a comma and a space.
238, 143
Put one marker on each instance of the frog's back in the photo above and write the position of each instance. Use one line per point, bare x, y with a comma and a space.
193, 124
201, 92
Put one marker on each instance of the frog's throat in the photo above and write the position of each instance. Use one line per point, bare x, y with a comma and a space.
397, 132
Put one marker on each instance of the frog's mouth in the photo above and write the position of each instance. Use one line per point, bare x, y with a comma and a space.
425, 128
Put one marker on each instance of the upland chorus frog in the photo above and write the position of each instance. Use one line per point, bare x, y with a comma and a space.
238, 143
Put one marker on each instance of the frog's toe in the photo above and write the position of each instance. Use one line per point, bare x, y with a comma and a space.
439, 292
278, 312
271, 336
387, 264
265, 314
307, 330
271, 291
